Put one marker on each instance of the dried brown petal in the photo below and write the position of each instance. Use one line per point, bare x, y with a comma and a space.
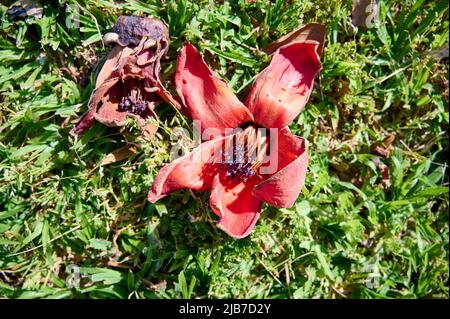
119, 154
383, 149
380, 150
385, 173
312, 31
363, 12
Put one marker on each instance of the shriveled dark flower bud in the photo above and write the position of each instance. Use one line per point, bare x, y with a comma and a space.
131, 29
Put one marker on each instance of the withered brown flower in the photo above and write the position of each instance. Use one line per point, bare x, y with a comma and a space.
128, 84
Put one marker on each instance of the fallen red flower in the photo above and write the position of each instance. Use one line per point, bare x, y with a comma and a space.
128, 84
236, 166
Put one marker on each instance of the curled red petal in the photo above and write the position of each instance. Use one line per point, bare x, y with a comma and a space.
207, 97
84, 123
283, 187
281, 91
194, 171
236, 206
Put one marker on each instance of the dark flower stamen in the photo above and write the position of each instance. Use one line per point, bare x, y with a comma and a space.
243, 154
237, 165
137, 107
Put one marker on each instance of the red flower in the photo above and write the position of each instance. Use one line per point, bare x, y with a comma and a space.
244, 168
128, 84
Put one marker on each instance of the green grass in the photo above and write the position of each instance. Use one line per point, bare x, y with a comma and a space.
347, 236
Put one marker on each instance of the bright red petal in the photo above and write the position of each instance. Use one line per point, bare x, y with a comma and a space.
281, 91
194, 170
234, 203
207, 97
283, 187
